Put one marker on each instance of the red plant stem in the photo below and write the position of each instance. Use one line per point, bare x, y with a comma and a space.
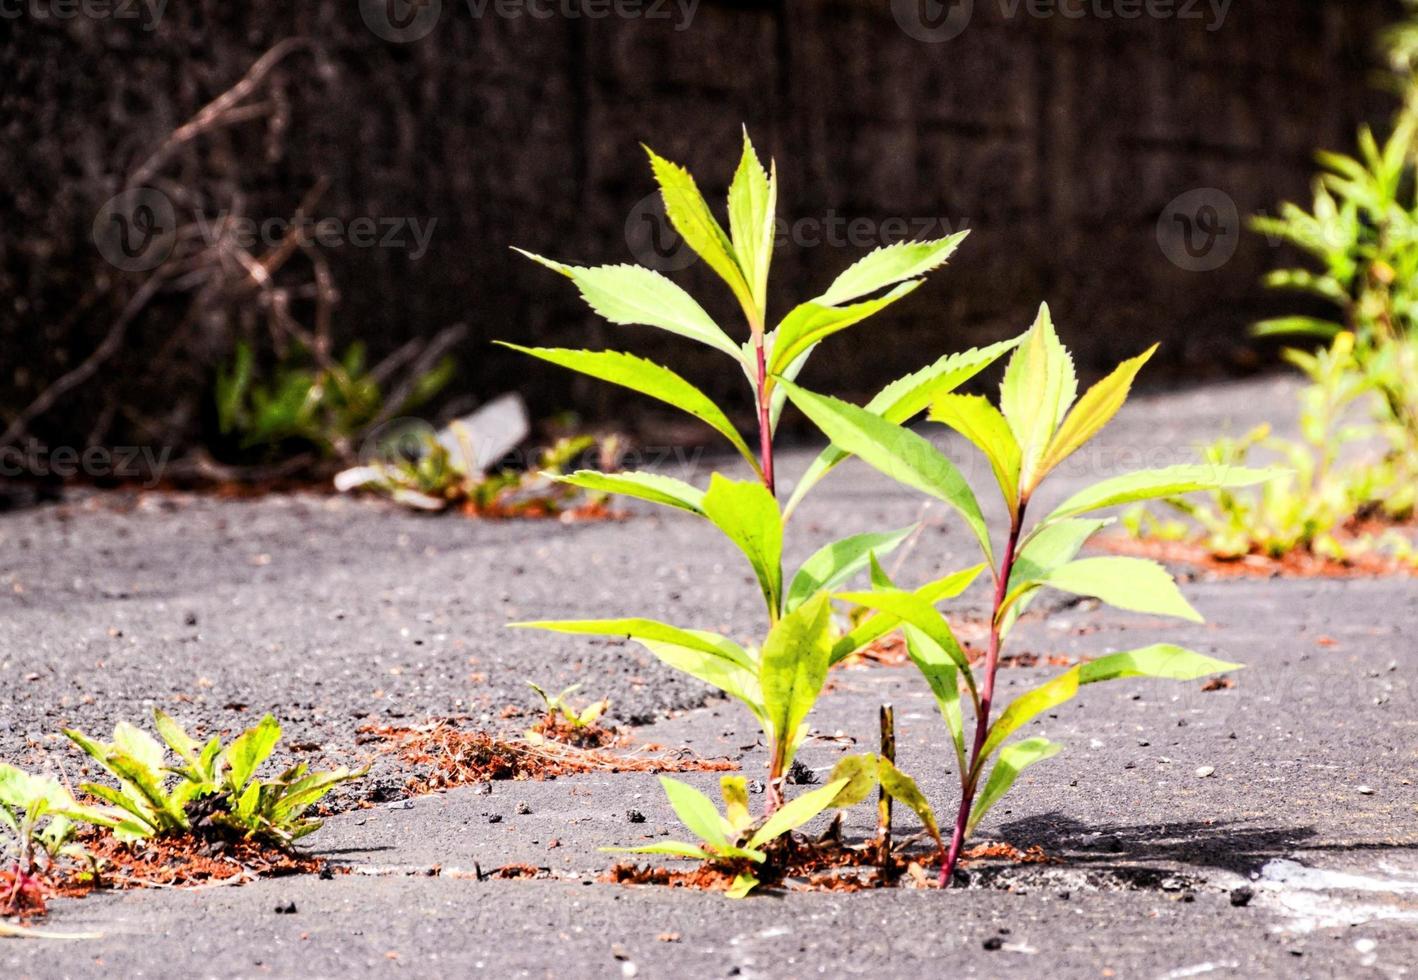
765, 420
970, 780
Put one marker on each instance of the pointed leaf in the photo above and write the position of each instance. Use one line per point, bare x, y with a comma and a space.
902, 400
1159, 660
753, 197
726, 675
1047, 548
673, 848
895, 451
1169, 481
690, 215
1094, 410
793, 668
795, 813
860, 775
943, 677
1039, 385
249, 749
748, 515
1013, 760
903, 789
648, 378
908, 607
807, 324
695, 810
1134, 584
980, 422
837, 562
175, 736
646, 629
877, 626
632, 294
653, 487
1024, 708
889, 265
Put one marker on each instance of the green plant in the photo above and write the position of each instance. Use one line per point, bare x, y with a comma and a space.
780, 680
323, 405
216, 791
735, 840
559, 712
1039, 423
1334, 475
39, 824
433, 478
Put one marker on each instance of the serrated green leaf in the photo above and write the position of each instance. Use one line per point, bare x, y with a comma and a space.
696, 811
808, 324
1134, 584
1039, 385
980, 422
1013, 760
1093, 411
1169, 481
141, 747
726, 675
689, 214
1159, 660
895, 451
1025, 708
902, 400
795, 813
942, 675
632, 294
753, 198
653, 487
903, 789
792, 669
648, 378
888, 265
836, 563
748, 515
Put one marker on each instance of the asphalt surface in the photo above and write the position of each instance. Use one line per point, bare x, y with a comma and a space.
335, 613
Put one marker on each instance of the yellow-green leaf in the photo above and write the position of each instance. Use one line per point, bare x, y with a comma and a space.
748, 515
980, 422
1093, 411
1134, 584
753, 197
1013, 760
809, 323
793, 668
1039, 385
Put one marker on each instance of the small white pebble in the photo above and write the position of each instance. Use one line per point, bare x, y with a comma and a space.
1366, 790
1366, 945
628, 969
1203, 771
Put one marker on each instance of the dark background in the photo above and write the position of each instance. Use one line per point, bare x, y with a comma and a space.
1058, 141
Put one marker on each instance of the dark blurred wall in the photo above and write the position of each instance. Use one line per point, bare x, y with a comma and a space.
1062, 142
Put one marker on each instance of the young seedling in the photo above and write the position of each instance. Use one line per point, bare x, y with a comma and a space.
780, 680
1039, 423
216, 792
39, 822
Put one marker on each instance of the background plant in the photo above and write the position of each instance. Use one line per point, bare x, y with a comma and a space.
1039, 423
215, 791
39, 825
780, 681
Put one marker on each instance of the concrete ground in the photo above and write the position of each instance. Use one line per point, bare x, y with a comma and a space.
334, 613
